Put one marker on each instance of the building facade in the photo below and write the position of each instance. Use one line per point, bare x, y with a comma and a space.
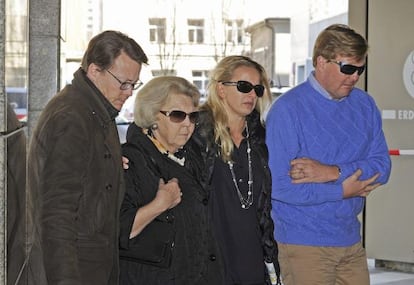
178, 42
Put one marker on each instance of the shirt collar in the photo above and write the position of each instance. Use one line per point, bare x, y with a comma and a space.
318, 87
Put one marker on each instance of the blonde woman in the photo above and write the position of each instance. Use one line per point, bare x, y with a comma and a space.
232, 138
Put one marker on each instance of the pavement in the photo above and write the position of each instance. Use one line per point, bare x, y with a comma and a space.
388, 277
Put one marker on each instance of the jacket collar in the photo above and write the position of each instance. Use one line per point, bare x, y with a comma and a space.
112, 111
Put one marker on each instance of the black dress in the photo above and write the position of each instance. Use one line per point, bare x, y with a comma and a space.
224, 201
238, 229
195, 256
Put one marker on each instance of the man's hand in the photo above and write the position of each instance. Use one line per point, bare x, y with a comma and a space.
306, 170
354, 187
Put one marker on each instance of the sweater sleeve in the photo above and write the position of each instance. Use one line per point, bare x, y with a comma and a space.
347, 133
284, 145
377, 160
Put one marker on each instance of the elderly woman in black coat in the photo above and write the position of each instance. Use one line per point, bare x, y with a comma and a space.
165, 233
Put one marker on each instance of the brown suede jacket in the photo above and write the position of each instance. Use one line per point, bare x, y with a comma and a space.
75, 189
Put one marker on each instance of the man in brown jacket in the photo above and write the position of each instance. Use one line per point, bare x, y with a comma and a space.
75, 170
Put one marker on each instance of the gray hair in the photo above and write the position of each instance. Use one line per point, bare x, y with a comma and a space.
155, 93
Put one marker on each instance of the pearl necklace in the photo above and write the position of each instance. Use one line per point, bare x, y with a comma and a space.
248, 201
163, 150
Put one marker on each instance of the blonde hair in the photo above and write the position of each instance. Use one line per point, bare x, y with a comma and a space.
224, 72
155, 93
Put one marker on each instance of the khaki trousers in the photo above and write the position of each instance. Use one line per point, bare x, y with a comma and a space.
310, 265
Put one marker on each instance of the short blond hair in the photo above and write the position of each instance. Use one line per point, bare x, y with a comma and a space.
155, 93
339, 40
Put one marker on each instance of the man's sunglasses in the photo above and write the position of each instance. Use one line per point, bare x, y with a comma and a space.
245, 87
179, 116
348, 69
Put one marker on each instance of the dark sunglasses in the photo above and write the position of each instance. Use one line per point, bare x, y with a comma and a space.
349, 69
245, 87
179, 116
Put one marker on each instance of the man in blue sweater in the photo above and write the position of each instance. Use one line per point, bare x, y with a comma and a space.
327, 153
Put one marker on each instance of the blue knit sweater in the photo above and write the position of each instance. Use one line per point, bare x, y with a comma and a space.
347, 133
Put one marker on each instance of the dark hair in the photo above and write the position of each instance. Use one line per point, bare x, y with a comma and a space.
106, 46
341, 40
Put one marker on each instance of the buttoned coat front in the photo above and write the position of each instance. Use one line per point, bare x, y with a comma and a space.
196, 259
75, 189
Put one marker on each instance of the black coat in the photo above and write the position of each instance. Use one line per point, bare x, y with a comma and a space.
204, 139
195, 257
75, 189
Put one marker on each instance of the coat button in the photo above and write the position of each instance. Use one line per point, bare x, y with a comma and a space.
108, 186
107, 155
212, 257
169, 218
205, 201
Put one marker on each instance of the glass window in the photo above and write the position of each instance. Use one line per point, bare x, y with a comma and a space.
239, 31
15, 81
157, 30
234, 31
200, 79
16, 57
195, 31
229, 31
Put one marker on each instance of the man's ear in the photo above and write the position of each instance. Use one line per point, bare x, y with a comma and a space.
321, 62
93, 72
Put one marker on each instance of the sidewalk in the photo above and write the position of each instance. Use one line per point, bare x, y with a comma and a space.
386, 277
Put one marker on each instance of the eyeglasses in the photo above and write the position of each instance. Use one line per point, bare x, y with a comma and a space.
179, 116
245, 87
126, 85
348, 69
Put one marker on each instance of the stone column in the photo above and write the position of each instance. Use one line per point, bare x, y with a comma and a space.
3, 154
44, 56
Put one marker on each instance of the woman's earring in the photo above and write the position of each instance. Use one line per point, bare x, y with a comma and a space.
154, 126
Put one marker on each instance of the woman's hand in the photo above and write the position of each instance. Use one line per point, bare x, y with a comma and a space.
125, 162
168, 194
